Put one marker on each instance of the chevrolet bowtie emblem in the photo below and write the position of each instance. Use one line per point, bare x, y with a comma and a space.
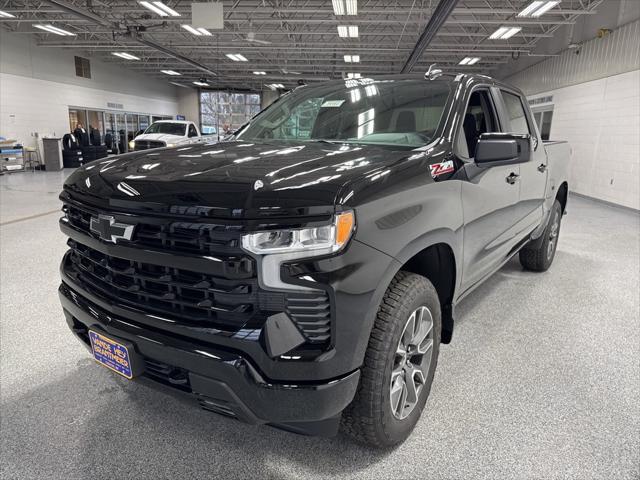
110, 230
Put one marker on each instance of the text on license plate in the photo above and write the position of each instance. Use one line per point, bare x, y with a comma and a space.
111, 354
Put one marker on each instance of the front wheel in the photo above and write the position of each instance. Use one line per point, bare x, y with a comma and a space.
540, 257
399, 363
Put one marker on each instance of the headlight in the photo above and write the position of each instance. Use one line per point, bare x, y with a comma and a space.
314, 241
171, 145
278, 246
132, 145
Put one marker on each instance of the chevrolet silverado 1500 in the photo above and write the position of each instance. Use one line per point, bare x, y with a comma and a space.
305, 272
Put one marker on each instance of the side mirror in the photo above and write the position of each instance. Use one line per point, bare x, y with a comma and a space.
502, 149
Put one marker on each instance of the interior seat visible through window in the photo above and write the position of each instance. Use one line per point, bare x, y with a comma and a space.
478, 119
406, 121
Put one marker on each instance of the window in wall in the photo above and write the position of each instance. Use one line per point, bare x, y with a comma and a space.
516, 113
543, 120
537, 116
222, 112
83, 67
133, 128
546, 125
77, 116
143, 122
95, 120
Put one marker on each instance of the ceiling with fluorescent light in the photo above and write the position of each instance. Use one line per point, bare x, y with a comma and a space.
291, 40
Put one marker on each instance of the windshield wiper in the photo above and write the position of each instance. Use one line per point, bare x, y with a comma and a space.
322, 140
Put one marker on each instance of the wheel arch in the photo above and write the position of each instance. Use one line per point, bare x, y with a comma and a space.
437, 263
437, 256
562, 195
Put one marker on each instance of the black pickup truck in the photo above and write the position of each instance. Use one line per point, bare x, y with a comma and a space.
304, 272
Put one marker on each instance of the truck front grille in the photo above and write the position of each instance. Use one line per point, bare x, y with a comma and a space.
191, 296
167, 235
147, 144
227, 297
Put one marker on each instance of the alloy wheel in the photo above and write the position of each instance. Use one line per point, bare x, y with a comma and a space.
411, 363
553, 236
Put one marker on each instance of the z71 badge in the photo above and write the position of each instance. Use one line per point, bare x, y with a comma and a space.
438, 169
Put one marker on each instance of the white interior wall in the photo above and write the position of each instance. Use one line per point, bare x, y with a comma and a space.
601, 121
596, 105
189, 104
37, 86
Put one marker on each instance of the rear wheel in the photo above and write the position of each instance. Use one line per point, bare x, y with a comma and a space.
399, 363
540, 257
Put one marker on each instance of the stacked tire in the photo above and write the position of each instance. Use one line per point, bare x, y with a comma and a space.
110, 144
72, 156
100, 151
88, 153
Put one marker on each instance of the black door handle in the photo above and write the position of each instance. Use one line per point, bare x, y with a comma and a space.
542, 168
513, 178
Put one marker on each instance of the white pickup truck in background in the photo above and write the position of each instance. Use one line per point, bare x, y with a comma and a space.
167, 133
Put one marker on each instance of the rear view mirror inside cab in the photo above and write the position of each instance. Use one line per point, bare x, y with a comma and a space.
502, 149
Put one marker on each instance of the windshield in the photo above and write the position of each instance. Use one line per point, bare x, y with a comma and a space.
399, 113
168, 128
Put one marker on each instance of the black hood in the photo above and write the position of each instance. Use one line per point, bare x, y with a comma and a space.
233, 179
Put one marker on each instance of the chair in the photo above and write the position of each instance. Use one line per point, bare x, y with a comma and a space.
31, 158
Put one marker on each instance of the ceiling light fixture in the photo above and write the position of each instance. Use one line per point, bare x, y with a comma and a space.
345, 7
352, 58
259, 73
160, 8
125, 55
201, 84
197, 31
4, 14
170, 72
503, 33
538, 8
350, 31
236, 57
275, 86
56, 30
469, 60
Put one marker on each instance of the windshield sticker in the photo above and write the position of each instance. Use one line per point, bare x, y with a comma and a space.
332, 103
438, 169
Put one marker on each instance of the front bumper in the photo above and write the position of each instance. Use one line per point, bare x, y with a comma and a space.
219, 380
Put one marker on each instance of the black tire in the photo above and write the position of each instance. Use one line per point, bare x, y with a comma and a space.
370, 418
72, 158
538, 256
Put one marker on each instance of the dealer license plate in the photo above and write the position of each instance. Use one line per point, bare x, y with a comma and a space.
111, 354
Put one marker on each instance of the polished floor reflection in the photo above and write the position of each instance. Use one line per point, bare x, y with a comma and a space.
541, 380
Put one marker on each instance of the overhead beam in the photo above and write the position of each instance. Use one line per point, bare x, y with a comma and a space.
440, 15
80, 12
91, 17
306, 12
331, 21
174, 54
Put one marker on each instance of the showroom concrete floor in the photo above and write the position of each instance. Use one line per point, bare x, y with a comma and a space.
541, 381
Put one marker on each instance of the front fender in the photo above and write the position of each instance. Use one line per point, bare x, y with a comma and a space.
406, 222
